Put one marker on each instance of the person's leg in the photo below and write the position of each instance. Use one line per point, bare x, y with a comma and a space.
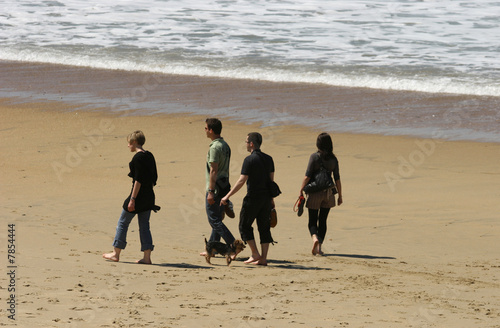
263, 214
120, 241
114, 255
313, 230
263, 257
146, 259
255, 252
323, 216
264, 227
145, 236
212, 215
219, 229
313, 221
247, 216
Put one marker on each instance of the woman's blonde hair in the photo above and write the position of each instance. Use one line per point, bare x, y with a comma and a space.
137, 136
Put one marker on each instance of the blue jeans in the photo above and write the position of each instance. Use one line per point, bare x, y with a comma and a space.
144, 231
219, 229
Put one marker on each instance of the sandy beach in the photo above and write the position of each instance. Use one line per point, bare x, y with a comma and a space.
415, 243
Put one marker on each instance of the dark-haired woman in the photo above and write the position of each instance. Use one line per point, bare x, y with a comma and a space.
319, 203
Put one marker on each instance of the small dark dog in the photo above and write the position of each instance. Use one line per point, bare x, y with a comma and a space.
214, 247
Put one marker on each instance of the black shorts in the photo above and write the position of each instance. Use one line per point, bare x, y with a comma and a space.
256, 208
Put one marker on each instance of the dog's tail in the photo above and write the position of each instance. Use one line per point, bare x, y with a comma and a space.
206, 241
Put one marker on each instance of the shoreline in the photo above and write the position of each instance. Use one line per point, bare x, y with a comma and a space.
336, 109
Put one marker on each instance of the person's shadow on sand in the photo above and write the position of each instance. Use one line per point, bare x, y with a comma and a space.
366, 257
173, 265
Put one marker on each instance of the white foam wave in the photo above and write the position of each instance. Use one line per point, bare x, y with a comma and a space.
430, 84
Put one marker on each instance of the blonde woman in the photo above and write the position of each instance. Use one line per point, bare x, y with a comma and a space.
140, 201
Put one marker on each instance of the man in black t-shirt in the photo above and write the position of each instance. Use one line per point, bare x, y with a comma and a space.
256, 172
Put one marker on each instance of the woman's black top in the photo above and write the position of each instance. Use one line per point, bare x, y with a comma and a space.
143, 169
331, 164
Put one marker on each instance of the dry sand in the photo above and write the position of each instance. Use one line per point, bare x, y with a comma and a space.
415, 243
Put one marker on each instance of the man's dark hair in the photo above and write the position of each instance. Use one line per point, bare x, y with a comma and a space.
256, 138
214, 124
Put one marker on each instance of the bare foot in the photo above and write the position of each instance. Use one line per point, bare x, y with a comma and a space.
233, 257
110, 257
203, 254
143, 261
259, 262
320, 251
315, 249
251, 259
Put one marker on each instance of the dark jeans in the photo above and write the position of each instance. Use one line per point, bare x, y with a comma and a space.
144, 230
317, 222
256, 208
219, 229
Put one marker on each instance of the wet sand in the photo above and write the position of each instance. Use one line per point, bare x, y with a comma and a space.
318, 106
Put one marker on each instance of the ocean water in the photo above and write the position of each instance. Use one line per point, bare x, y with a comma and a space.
438, 47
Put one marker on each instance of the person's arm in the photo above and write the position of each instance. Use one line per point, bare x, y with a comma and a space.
304, 183
271, 176
311, 167
135, 192
241, 181
339, 189
214, 167
338, 184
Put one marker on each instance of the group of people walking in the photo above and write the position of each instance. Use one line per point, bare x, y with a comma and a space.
257, 173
